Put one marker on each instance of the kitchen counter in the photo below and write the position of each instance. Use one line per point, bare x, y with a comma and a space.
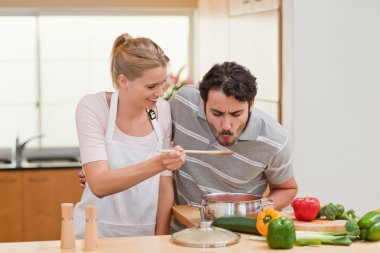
40, 166
44, 158
163, 244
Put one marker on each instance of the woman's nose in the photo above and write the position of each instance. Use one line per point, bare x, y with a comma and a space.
159, 92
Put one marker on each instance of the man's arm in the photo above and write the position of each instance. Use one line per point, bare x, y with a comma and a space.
283, 194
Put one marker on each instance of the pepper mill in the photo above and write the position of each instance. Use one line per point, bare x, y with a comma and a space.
91, 230
67, 226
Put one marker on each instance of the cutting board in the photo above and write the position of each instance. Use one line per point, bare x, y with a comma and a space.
190, 217
319, 225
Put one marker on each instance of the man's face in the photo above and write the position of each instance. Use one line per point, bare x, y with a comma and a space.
226, 116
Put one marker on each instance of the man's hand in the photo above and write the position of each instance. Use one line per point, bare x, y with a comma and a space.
82, 179
283, 194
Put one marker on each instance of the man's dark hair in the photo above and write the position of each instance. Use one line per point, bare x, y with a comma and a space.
230, 78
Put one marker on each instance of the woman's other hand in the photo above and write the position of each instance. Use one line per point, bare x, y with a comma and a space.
82, 179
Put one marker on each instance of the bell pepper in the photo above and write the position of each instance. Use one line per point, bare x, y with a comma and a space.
281, 233
306, 209
369, 226
263, 219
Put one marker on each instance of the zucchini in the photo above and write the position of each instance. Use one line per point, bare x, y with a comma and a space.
237, 224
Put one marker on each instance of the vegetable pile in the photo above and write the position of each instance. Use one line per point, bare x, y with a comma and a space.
279, 231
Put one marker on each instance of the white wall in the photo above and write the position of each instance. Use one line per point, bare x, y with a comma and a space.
332, 78
211, 33
248, 37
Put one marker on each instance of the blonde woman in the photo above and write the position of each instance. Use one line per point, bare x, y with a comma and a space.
119, 135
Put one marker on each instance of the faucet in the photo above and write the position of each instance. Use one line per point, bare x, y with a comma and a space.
19, 147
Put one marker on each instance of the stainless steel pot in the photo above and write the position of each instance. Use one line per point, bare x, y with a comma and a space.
234, 204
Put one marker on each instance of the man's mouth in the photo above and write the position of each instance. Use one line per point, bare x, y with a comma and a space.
225, 138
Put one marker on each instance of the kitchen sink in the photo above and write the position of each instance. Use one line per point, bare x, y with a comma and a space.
51, 159
43, 158
5, 161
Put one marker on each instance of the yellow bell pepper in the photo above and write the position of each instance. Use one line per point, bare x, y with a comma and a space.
378, 209
263, 219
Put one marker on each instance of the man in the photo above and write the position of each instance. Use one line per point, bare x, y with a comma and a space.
220, 115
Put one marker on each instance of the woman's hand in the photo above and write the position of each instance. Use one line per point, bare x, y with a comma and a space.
169, 161
173, 160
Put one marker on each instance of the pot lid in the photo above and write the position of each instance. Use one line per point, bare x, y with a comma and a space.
205, 236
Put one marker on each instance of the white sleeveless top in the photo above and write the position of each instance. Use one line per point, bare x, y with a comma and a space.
133, 211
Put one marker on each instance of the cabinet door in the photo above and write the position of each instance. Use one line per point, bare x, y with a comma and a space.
11, 227
44, 191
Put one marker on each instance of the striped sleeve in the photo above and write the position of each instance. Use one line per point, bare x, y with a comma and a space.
280, 168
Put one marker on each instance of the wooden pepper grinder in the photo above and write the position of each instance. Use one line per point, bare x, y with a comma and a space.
91, 230
67, 226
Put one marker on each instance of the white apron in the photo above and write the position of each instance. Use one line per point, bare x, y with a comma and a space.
133, 211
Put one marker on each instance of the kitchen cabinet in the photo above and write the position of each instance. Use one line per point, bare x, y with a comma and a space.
242, 7
11, 226
32, 198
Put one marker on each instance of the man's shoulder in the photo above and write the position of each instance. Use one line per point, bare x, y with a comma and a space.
188, 91
187, 95
269, 127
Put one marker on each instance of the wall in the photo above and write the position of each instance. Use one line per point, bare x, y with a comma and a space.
42, 4
247, 36
331, 74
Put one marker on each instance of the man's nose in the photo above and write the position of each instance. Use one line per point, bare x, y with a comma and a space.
226, 123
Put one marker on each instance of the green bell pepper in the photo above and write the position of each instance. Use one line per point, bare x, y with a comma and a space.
281, 233
369, 226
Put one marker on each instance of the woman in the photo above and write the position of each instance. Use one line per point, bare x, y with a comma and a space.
119, 135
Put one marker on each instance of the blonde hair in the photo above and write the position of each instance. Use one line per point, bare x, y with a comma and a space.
131, 56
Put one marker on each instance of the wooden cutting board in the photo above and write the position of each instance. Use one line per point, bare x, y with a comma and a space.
319, 225
190, 217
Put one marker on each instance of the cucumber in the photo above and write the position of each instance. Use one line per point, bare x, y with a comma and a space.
237, 224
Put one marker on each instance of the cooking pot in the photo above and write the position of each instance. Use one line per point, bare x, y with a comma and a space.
233, 204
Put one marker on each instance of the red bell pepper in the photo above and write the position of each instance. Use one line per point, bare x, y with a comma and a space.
306, 209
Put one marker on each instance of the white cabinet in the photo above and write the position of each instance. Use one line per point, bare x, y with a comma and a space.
255, 43
241, 7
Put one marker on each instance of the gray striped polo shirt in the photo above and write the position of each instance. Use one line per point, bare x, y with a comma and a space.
262, 152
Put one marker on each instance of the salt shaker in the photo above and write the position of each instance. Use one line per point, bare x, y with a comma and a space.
91, 230
67, 227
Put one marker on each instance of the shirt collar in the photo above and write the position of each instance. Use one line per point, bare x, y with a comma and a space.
201, 112
250, 133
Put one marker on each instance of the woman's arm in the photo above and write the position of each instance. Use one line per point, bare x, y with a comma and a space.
104, 182
165, 204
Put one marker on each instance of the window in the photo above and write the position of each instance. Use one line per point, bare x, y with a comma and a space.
49, 62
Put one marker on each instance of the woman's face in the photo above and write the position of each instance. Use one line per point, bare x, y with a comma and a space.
145, 90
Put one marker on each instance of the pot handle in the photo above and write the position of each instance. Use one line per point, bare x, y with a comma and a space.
266, 203
202, 209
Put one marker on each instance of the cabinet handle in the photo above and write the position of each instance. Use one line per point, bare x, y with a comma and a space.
37, 179
7, 180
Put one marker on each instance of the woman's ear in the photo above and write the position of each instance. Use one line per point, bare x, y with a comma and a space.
122, 80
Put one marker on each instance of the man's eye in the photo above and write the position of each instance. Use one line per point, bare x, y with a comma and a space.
217, 114
236, 114
151, 87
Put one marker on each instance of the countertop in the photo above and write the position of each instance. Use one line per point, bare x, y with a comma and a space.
40, 166
162, 244
42, 158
